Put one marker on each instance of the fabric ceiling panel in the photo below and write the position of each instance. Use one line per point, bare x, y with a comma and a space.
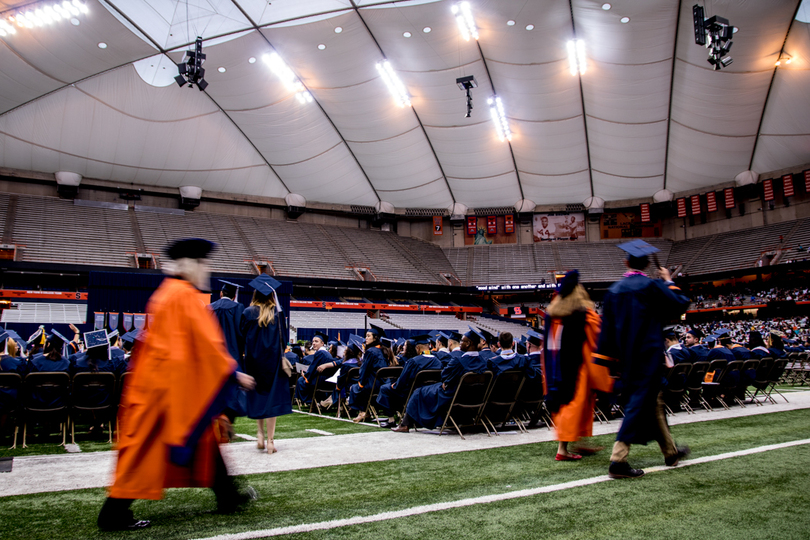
69, 53
557, 189
498, 190
263, 12
698, 159
471, 152
784, 139
615, 188
438, 100
550, 148
19, 82
632, 151
332, 177
628, 94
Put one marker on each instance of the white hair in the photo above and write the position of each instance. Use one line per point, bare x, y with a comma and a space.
195, 271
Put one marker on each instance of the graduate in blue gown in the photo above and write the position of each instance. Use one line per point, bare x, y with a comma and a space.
263, 327
95, 359
10, 363
321, 361
392, 394
51, 358
508, 359
635, 311
721, 350
442, 351
429, 404
374, 359
229, 314
692, 339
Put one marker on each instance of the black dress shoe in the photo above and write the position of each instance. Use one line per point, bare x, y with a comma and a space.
132, 525
238, 502
622, 469
683, 451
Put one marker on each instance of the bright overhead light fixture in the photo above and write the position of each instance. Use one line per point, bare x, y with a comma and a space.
426, 29
510, 22
102, 45
395, 86
529, 27
784, 58
252, 60
498, 115
406, 34
338, 29
465, 21
576, 56
42, 14
321, 47
287, 77
606, 6
221, 69
625, 20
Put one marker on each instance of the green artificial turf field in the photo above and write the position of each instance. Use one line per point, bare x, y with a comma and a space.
762, 495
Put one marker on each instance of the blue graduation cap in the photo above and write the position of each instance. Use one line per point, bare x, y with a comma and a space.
671, 332
400, 341
474, 336
722, 332
442, 337
433, 333
455, 336
534, 337
377, 331
112, 334
266, 285
16, 337
489, 337
130, 337
3, 335
387, 342
320, 335
190, 248
58, 336
96, 338
421, 339
38, 336
230, 289
638, 248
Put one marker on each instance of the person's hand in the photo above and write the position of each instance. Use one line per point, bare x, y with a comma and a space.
321, 368
245, 381
73, 328
664, 274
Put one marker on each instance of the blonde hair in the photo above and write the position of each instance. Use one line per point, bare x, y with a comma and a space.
267, 308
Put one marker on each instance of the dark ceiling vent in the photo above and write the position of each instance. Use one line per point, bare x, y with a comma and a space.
367, 210
425, 212
494, 211
575, 207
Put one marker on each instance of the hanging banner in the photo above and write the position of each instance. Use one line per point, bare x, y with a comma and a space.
509, 224
559, 227
127, 321
627, 225
695, 201
482, 232
472, 225
645, 212
492, 225
139, 320
437, 225
112, 320
807, 181
98, 321
767, 189
787, 185
729, 195
681, 207
711, 201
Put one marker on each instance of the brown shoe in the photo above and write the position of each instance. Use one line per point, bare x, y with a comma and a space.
401, 429
360, 418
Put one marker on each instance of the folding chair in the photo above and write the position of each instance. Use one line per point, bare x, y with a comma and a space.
501, 400
10, 384
748, 373
94, 395
760, 381
46, 398
694, 387
530, 405
468, 400
352, 376
777, 370
676, 386
725, 383
323, 389
383, 374
423, 378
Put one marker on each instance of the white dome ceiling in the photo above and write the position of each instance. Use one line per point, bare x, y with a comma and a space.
648, 114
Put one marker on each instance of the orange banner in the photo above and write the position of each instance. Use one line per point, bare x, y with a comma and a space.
49, 295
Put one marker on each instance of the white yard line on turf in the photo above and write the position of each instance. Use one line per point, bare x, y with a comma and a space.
319, 431
417, 510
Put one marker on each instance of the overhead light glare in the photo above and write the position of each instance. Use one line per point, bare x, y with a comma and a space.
321, 47
606, 6
498, 115
338, 29
41, 14
395, 86
252, 60
625, 20
287, 77
426, 30
576, 56
510, 22
102, 45
406, 34
529, 27
465, 21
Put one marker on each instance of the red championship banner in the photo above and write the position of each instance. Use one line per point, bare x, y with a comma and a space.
42, 295
645, 212
787, 185
767, 189
728, 193
492, 225
472, 226
509, 224
807, 181
437, 225
681, 207
695, 202
711, 201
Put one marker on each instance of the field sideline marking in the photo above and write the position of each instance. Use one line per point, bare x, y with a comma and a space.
417, 510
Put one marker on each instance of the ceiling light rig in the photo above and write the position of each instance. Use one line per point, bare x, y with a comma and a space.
499, 118
465, 21
576, 56
291, 82
395, 86
39, 15
784, 58
191, 70
715, 34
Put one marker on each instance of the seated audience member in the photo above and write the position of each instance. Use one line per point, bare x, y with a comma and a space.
757, 345
51, 359
454, 345
128, 343
306, 382
393, 394
508, 358
116, 352
376, 357
429, 404
489, 347
97, 359
739, 352
675, 352
775, 345
721, 350
534, 348
692, 341
442, 351
351, 359
10, 361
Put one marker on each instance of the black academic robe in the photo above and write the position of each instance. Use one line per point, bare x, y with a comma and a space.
429, 404
262, 346
393, 394
635, 311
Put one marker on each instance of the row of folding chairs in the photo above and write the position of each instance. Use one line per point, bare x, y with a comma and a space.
58, 397
733, 382
797, 371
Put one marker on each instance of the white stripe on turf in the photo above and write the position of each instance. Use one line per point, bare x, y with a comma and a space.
359, 520
319, 431
246, 437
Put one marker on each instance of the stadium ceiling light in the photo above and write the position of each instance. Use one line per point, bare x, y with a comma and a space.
395, 86
576, 56
287, 77
465, 21
41, 14
498, 115
784, 58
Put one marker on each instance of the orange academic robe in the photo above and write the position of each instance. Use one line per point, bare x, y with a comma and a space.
173, 391
575, 419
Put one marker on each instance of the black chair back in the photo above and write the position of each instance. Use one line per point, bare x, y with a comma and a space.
94, 392
46, 392
468, 400
694, 381
10, 384
502, 397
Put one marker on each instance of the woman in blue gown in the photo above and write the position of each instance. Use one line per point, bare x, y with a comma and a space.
262, 325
